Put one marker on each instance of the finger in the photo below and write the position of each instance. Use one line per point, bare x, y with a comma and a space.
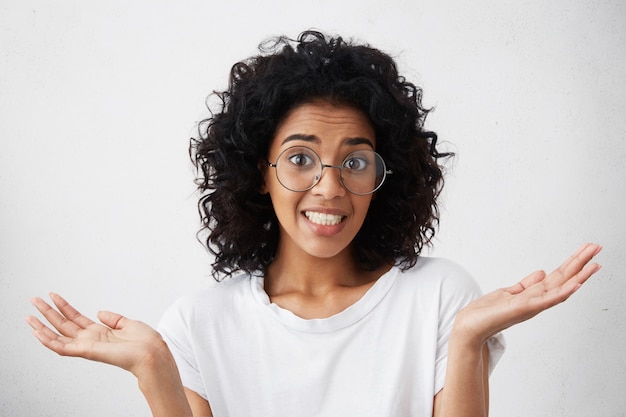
582, 276
527, 282
581, 257
35, 323
563, 292
572, 261
70, 312
62, 324
573, 265
47, 337
113, 320
44, 331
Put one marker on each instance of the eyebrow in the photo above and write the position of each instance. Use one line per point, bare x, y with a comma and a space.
313, 138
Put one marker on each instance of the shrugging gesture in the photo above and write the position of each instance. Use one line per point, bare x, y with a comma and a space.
136, 347
539, 291
118, 341
466, 388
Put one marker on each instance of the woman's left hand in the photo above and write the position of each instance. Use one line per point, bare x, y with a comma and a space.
503, 308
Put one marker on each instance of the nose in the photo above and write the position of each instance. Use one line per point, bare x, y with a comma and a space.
329, 185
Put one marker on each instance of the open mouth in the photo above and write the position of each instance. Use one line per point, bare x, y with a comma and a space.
325, 219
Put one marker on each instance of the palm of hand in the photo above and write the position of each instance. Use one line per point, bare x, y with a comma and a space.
119, 341
506, 307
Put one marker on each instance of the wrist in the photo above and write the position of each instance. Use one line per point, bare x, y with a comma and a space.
159, 381
465, 337
156, 362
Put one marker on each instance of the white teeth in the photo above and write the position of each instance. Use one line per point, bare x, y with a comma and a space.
323, 218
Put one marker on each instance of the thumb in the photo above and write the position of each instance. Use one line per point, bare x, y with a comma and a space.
112, 320
528, 281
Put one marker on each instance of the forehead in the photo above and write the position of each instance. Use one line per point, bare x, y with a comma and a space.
324, 121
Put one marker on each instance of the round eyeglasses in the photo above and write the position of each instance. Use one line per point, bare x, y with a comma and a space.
299, 169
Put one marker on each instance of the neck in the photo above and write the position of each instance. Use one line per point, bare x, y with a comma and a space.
318, 288
313, 276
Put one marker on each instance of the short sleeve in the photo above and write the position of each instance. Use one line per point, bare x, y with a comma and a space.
497, 346
174, 328
457, 290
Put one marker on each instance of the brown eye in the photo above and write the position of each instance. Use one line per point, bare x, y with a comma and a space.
301, 160
356, 163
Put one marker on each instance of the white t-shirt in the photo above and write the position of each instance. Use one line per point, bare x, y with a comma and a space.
385, 355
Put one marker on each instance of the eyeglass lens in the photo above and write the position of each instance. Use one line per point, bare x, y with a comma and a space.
299, 168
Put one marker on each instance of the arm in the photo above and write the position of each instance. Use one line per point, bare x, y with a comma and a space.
125, 343
160, 384
199, 405
466, 387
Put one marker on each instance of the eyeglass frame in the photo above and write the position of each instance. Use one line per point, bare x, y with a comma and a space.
318, 178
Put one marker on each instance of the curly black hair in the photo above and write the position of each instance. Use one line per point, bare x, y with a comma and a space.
240, 220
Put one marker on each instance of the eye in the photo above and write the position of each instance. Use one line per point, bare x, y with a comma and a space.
356, 163
300, 160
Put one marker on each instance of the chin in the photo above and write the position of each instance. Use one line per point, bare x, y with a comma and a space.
326, 251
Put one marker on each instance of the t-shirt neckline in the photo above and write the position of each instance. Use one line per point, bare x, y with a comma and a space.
349, 316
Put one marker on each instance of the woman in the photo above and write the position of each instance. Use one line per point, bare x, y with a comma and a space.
319, 192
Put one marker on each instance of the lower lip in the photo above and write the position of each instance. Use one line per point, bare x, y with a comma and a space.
324, 230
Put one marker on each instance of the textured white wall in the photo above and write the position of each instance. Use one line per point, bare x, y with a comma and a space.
97, 100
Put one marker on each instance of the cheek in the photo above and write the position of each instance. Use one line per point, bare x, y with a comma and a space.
363, 205
283, 200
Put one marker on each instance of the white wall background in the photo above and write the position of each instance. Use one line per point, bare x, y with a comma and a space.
98, 99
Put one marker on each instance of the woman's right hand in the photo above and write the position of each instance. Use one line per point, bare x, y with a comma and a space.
118, 341
128, 344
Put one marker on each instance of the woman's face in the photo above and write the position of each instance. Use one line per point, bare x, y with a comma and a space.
323, 221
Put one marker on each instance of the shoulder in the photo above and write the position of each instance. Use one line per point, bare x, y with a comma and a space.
438, 271
436, 288
441, 277
207, 302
